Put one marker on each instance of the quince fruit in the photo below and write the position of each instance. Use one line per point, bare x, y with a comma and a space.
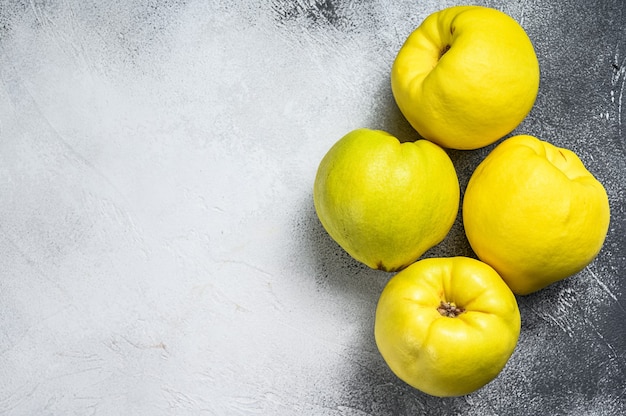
534, 213
386, 202
447, 326
466, 77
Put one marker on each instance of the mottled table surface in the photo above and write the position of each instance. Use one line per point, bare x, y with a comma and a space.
159, 250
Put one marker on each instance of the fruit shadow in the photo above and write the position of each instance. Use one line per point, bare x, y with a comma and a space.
334, 269
356, 289
387, 116
369, 385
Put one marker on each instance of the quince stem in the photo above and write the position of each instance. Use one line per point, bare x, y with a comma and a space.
449, 309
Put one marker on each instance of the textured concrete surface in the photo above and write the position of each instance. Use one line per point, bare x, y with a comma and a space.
159, 251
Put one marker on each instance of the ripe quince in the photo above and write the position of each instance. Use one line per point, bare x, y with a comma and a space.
466, 77
534, 213
447, 326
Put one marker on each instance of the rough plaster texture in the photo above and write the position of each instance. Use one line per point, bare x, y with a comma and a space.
159, 251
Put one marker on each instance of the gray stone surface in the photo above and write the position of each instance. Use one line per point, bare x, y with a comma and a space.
160, 251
